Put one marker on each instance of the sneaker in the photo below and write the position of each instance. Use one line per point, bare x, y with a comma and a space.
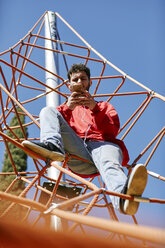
134, 186
48, 150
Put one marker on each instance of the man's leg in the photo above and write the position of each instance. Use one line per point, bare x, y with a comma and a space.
55, 130
108, 159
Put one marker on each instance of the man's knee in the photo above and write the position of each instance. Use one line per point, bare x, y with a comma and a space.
48, 110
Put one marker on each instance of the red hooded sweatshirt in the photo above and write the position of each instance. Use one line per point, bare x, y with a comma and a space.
100, 124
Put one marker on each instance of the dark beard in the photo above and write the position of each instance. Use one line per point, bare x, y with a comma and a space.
88, 87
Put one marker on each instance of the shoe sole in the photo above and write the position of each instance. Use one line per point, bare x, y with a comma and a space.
52, 155
136, 185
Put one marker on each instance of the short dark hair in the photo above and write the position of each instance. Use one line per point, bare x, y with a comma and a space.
78, 67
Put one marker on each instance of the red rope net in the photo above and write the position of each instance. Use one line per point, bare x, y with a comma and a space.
22, 84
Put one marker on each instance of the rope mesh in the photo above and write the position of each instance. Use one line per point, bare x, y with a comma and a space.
22, 84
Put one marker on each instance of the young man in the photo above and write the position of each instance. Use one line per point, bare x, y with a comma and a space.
88, 129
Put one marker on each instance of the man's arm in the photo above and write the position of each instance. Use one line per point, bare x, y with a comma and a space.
106, 118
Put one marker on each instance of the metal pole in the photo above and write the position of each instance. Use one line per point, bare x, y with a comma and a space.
53, 98
51, 59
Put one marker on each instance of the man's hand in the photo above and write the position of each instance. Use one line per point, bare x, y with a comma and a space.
81, 99
88, 100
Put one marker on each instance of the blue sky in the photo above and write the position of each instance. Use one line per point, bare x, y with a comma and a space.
129, 33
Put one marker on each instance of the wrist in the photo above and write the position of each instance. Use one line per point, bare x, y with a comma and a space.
96, 108
69, 106
92, 106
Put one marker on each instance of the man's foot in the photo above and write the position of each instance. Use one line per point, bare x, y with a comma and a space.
134, 186
48, 150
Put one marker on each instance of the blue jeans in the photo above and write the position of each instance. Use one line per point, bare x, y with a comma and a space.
106, 157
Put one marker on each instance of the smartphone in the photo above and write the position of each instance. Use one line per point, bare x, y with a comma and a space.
76, 87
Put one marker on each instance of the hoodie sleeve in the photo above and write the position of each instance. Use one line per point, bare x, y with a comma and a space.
106, 119
65, 111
